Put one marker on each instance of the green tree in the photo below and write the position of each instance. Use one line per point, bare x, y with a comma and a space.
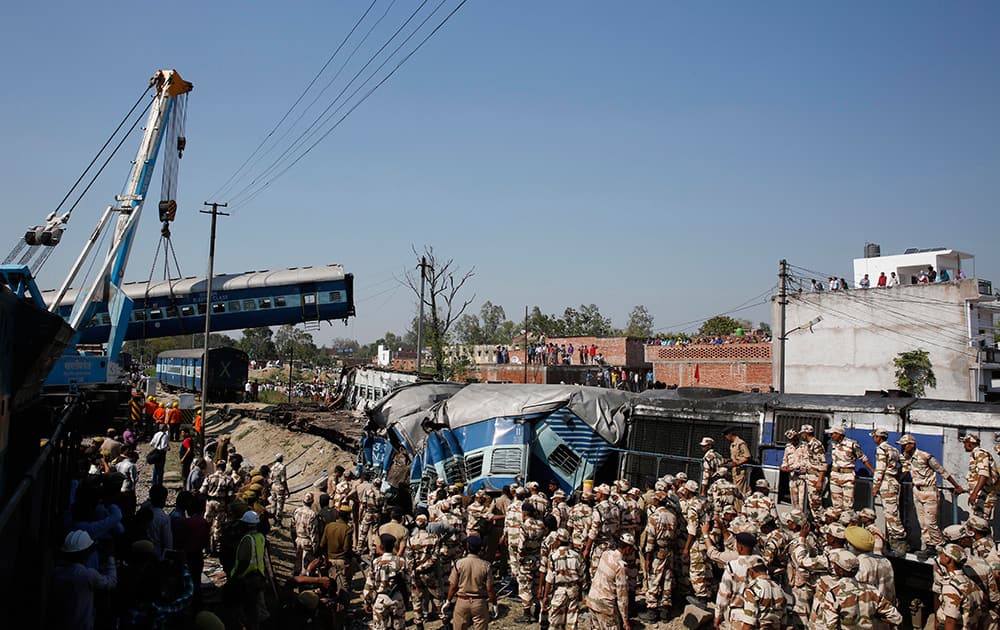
719, 326
258, 343
468, 331
765, 328
914, 373
290, 341
640, 322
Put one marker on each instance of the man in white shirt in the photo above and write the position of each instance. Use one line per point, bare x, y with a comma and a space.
160, 444
893, 280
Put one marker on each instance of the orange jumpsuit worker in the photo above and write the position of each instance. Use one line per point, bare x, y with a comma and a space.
174, 418
160, 415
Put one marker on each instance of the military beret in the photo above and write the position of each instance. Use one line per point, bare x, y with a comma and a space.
844, 559
905, 439
475, 543
880, 433
562, 535
681, 476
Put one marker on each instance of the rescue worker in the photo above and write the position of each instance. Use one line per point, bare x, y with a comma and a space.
763, 602
471, 582
815, 465
532, 533
851, 605
387, 580
658, 554
563, 583
845, 453
794, 463
885, 484
425, 572
305, 526
247, 577
981, 479
739, 457
608, 596
924, 469
174, 418
279, 485
711, 462
961, 601
219, 488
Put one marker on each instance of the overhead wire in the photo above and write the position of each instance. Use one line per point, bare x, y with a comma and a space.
298, 100
747, 304
367, 94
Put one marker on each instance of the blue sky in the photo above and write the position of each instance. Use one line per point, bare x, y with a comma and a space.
666, 154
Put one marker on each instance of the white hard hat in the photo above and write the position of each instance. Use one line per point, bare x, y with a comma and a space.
77, 540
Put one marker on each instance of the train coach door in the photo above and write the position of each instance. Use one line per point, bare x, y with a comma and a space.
310, 307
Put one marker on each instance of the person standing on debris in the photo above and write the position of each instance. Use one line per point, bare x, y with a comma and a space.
924, 469
885, 484
845, 453
794, 463
815, 464
981, 479
711, 462
279, 484
305, 525
608, 598
471, 582
739, 457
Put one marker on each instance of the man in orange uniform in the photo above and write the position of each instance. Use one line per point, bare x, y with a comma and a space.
174, 419
148, 411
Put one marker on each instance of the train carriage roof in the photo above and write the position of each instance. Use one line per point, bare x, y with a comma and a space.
196, 353
406, 408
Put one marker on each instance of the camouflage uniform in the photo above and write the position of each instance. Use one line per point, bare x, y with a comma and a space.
219, 488
981, 573
561, 512
924, 469
794, 461
981, 463
758, 506
372, 502
566, 576
452, 546
730, 592
474, 514
739, 454
886, 485
608, 596
774, 549
876, 571
279, 483
711, 462
699, 571
799, 580
851, 605
426, 578
815, 463
305, 526
763, 605
844, 455
384, 588
578, 524
660, 532
540, 501
605, 522
721, 494
532, 533
512, 530
961, 600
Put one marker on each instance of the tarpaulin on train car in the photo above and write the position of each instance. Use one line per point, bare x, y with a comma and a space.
405, 409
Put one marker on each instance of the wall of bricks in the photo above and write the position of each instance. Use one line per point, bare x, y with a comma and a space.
627, 352
741, 367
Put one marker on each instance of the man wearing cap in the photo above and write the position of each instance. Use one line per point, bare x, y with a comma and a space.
760, 503
423, 557
219, 488
851, 605
924, 469
694, 552
387, 580
793, 463
532, 533
305, 526
247, 577
512, 536
605, 523
658, 556
632, 516
799, 579
336, 542
538, 498
977, 569
982, 540
873, 568
723, 493
578, 523
563, 583
845, 453
763, 602
734, 578
396, 528
471, 581
815, 464
711, 462
608, 599
372, 502
885, 484
739, 457
74, 584
559, 509
961, 601
452, 535
279, 483
981, 479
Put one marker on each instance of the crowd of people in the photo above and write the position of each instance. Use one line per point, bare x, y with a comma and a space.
738, 337
550, 353
924, 276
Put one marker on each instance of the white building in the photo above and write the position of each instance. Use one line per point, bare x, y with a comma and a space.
844, 342
909, 265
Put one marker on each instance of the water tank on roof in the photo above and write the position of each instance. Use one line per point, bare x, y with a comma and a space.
872, 250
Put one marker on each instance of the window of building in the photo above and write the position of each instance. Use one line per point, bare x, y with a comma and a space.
335, 296
155, 314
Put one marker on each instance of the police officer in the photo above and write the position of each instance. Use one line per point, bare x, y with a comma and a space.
563, 583
471, 582
387, 581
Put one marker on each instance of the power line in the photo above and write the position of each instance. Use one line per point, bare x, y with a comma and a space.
756, 301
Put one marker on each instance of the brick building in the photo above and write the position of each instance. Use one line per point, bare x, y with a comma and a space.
738, 366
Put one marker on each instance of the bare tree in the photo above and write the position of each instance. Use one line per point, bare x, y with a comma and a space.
443, 280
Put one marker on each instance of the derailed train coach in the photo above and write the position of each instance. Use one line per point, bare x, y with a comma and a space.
486, 436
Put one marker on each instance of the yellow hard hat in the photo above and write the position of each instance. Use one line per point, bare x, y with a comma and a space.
163, 405
175, 404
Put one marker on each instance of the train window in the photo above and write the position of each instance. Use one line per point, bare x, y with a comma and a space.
265, 303
201, 308
249, 305
334, 296
234, 307
565, 459
155, 314
172, 311
279, 301
139, 316
218, 307
187, 311
309, 299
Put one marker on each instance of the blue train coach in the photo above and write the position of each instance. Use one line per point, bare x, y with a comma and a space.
228, 369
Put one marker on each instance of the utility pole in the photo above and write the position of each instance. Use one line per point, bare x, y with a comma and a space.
782, 301
208, 316
291, 357
525, 344
420, 319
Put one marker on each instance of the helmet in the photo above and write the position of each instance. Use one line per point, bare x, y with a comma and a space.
163, 405
77, 540
250, 518
175, 404
150, 398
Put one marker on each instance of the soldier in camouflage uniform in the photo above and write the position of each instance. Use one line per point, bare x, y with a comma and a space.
961, 601
512, 530
694, 511
387, 580
605, 523
538, 499
981, 479
739, 457
794, 463
427, 579
608, 596
658, 552
372, 503
845, 453
532, 533
711, 462
760, 503
219, 488
452, 543
763, 604
982, 541
851, 605
305, 525
979, 570
815, 465
734, 577
799, 552
279, 483
549, 544
563, 583
924, 469
773, 544
578, 523
885, 484
722, 493
559, 509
